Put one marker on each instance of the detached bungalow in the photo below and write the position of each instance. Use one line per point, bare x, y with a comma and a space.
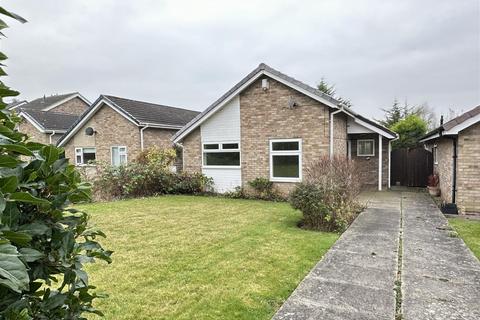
271, 125
46, 119
114, 130
456, 147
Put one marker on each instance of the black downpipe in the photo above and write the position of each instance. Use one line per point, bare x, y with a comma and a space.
454, 182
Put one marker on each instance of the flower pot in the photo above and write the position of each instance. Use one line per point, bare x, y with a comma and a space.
434, 191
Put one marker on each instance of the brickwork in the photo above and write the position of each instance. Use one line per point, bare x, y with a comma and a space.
158, 137
266, 115
35, 135
73, 106
368, 166
340, 136
468, 181
444, 168
192, 152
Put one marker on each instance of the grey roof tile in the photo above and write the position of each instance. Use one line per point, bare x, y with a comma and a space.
45, 102
51, 120
145, 112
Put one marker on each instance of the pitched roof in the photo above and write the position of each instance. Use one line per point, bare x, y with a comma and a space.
369, 121
462, 119
139, 112
145, 112
292, 82
45, 103
48, 120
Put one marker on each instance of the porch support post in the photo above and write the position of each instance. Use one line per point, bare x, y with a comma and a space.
379, 162
389, 163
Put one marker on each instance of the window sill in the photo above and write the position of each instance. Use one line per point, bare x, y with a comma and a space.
221, 167
285, 179
366, 155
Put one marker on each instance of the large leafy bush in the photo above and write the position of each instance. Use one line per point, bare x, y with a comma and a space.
150, 174
328, 195
43, 243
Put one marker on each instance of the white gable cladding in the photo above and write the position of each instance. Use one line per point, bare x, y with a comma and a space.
353, 127
223, 126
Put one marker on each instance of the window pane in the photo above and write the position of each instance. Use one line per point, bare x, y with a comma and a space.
123, 159
87, 157
285, 146
88, 150
210, 146
286, 167
230, 146
222, 159
365, 147
115, 156
79, 160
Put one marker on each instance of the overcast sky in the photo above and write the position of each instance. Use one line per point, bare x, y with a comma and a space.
188, 53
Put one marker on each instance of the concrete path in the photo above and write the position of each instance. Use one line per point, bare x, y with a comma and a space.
440, 275
360, 277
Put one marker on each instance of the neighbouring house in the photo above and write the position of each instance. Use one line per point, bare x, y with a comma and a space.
456, 147
271, 125
46, 119
115, 130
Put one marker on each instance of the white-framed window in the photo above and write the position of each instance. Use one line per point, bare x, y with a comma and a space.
221, 154
286, 160
85, 155
434, 153
366, 148
119, 155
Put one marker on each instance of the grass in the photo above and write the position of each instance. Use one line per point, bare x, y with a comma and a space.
469, 231
186, 257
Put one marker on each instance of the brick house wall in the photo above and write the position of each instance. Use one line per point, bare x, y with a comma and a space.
112, 129
340, 136
35, 135
73, 106
192, 152
444, 167
160, 138
265, 115
368, 166
468, 169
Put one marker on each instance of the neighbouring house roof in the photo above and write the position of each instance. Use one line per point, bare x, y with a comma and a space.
266, 70
145, 112
454, 126
140, 113
16, 104
48, 121
47, 103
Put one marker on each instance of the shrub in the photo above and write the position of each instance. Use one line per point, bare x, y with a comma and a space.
327, 197
264, 189
150, 174
44, 243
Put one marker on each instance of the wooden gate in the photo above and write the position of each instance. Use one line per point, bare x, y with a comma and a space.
411, 167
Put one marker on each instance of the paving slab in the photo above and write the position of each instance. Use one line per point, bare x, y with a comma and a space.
440, 275
355, 279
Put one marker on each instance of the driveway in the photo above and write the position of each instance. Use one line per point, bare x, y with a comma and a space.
398, 260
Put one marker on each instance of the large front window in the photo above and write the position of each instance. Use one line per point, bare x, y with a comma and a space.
222, 154
85, 155
286, 160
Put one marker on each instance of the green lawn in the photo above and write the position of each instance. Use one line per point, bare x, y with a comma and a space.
185, 257
469, 231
